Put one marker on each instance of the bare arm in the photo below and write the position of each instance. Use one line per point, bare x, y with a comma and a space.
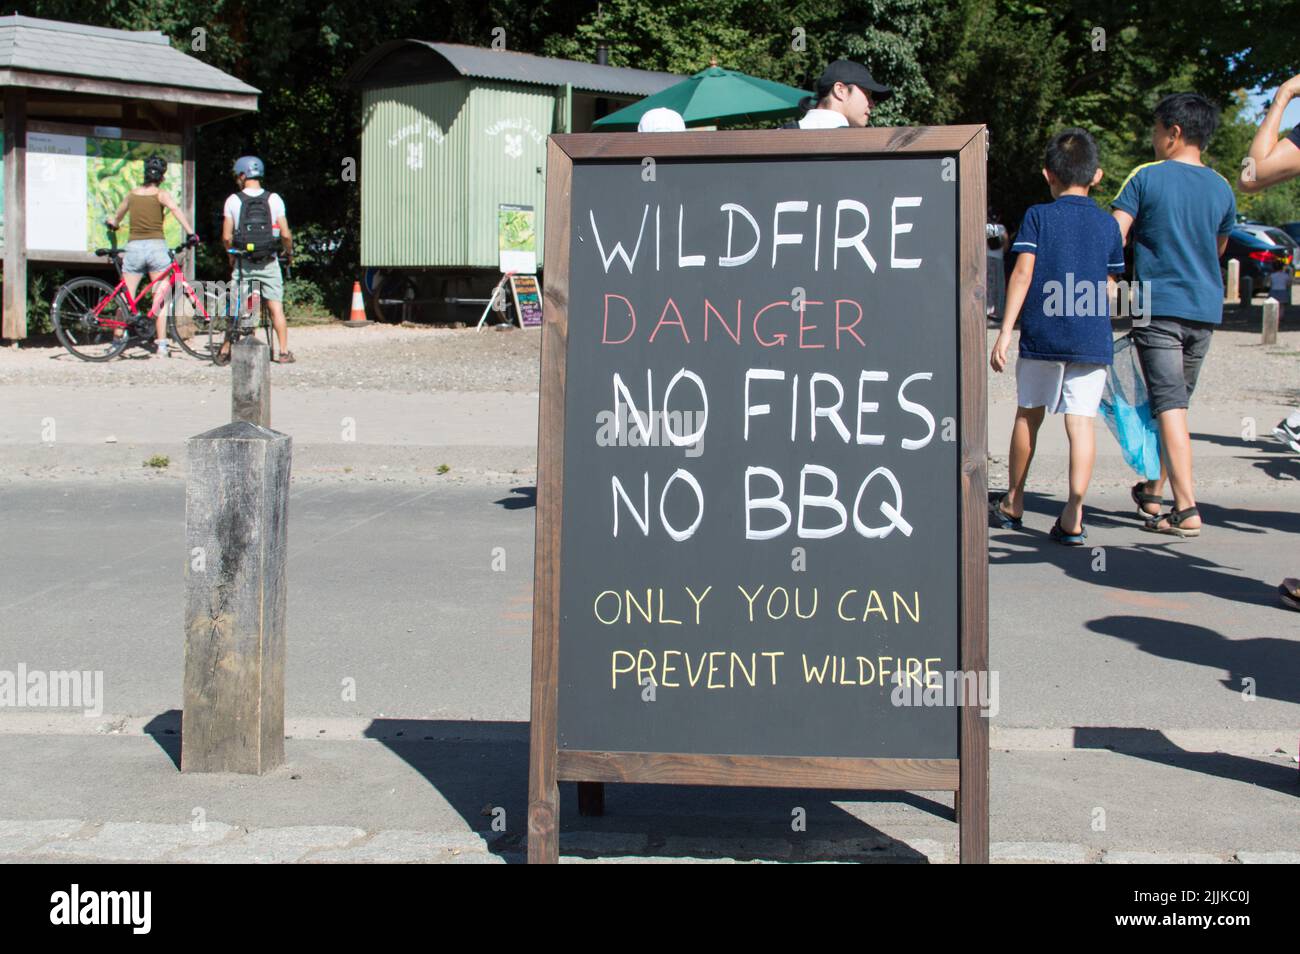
169, 203
1271, 160
286, 237
116, 217
1223, 244
1125, 222
1022, 277
227, 235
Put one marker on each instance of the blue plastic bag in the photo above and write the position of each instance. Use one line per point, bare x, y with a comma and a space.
1127, 410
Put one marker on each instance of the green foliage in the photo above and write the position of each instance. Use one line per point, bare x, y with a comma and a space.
1023, 69
42, 285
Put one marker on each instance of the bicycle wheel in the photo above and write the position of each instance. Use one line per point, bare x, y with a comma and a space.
80, 329
198, 343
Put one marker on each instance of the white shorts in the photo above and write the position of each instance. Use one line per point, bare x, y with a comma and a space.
1063, 387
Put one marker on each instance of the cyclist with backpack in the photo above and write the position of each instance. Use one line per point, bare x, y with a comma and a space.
146, 249
254, 221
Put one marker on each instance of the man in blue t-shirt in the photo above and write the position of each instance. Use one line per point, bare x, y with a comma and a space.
1069, 251
1179, 213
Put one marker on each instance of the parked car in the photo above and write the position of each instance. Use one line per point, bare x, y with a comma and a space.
1272, 234
1292, 229
1259, 255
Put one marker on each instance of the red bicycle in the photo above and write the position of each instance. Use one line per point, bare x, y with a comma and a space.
97, 321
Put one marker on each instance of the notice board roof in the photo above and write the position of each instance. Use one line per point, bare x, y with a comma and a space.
52, 54
407, 61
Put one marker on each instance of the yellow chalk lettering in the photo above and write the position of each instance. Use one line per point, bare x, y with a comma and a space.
863, 679
928, 674
773, 656
810, 671
698, 600
916, 597
631, 661
675, 622
713, 667
840, 607
874, 606
667, 668
646, 611
785, 606
812, 612
617, 612
642, 669
750, 598
694, 677
748, 674
913, 663
880, 667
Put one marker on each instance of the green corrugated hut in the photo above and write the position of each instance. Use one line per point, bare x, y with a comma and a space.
449, 134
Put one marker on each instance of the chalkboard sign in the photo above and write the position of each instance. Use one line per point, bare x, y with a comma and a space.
528, 300
761, 464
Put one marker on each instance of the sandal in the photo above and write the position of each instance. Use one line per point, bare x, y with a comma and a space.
286, 358
1141, 498
1004, 520
1175, 519
1289, 592
1065, 538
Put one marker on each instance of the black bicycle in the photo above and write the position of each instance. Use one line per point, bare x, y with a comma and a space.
240, 315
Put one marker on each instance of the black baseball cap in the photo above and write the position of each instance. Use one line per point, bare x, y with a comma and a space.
851, 74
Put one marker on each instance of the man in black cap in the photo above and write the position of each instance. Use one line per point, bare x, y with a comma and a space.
846, 94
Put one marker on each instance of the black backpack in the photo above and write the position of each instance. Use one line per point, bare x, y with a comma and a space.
256, 223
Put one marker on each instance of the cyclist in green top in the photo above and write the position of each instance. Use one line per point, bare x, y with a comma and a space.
146, 249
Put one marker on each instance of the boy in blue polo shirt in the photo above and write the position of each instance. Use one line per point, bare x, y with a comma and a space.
1179, 212
1069, 252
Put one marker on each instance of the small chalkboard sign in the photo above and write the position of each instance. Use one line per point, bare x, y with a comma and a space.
528, 300
761, 532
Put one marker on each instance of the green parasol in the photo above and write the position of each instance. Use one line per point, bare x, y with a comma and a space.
712, 94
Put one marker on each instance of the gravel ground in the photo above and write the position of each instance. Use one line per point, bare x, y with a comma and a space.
409, 359
373, 357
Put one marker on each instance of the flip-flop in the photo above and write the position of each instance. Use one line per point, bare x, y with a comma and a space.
1059, 534
286, 358
1175, 528
1141, 498
1003, 519
1289, 592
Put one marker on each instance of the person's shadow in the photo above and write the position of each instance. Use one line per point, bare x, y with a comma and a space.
1270, 663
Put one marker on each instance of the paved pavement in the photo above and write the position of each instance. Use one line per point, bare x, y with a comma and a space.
1150, 689
1121, 694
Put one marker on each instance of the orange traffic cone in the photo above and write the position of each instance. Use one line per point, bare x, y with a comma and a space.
358, 315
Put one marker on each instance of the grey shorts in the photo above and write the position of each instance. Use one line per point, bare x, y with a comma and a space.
1171, 351
145, 257
266, 277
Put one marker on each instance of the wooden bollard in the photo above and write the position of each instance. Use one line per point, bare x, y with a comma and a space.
1232, 294
236, 532
250, 382
1271, 311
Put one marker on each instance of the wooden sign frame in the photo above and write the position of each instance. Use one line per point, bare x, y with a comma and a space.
966, 775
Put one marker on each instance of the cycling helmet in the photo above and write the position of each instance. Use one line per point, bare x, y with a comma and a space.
155, 169
250, 167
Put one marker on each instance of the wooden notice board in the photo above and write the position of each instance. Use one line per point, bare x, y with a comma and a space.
761, 530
